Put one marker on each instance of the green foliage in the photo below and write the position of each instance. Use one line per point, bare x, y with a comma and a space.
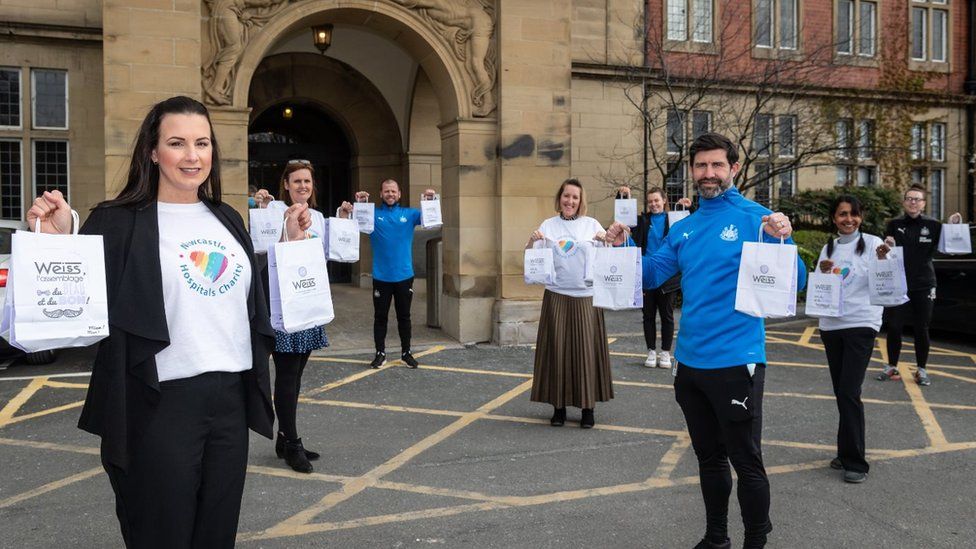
809, 243
810, 210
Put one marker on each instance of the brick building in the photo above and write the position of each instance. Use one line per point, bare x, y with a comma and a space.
493, 102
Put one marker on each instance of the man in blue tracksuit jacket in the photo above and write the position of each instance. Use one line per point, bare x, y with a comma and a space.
721, 352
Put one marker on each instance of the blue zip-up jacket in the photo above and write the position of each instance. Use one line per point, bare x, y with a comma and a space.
392, 241
705, 248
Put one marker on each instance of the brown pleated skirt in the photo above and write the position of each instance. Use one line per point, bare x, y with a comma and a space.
572, 361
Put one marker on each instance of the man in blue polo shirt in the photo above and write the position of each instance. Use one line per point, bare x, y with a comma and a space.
392, 242
721, 352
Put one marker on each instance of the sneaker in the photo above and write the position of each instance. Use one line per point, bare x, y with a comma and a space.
664, 359
855, 477
836, 464
706, 544
651, 358
922, 378
409, 360
378, 360
889, 374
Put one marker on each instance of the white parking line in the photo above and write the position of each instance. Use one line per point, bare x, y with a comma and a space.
52, 376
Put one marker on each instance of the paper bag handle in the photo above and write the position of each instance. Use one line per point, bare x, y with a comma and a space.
75, 222
782, 239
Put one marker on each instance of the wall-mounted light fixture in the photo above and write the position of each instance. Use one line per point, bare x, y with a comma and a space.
287, 113
322, 37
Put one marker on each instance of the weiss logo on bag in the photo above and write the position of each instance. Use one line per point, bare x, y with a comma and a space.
59, 268
764, 278
60, 287
303, 283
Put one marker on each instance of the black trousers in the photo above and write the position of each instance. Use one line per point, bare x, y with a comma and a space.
401, 294
657, 302
723, 410
287, 385
848, 354
919, 309
185, 479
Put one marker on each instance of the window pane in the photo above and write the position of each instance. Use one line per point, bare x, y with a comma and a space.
938, 35
786, 183
763, 184
865, 176
787, 24
918, 33
842, 176
676, 131
763, 133
918, 176
51, 166
845, 22
50, 99
701, 122
11, 180
866, 29
918, 141
938, 142
764, 25
865, 139
10, 97
844, 130
674, 185
787, 131
936, 190
677, 20
702, 18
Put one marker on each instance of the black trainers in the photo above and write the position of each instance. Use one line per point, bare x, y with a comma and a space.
922, 378
706, 544
409, 360
889, 375
378, 360
836, 464
855, 477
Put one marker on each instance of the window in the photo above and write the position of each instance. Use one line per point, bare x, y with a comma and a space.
865, 176
918, 141
843, 176
701, 122
50, 166
776, 24
10, 98
674, 183
930, 31
762, 137
857, 28
865, 139
928, 154
855, 153
676, 131
11, 180
936, 192
762, 192
49, 97
787, 136
697, 15
844, 129
937, 142
787, 183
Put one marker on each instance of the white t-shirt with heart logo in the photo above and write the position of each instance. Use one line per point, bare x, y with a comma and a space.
206, 279
569, 240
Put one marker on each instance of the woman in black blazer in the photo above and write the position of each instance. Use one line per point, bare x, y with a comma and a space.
183, 373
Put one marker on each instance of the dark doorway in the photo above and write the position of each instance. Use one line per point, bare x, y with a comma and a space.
304, 132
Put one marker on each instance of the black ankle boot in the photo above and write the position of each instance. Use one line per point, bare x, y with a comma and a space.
587, 421
280, 449
295, 456
558, 417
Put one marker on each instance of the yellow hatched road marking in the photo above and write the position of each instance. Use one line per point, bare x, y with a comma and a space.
50, 446
46, 412
50, 487
8, 411
947, 374
65, 385
670, 458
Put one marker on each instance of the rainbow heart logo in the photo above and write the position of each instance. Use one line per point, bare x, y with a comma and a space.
566, 245
212, 264
842, 272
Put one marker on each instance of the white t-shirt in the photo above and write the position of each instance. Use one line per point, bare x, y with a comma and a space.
317, 230
206, 279
569, 241
858, 311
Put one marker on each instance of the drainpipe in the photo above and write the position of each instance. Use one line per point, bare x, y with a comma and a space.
970, 88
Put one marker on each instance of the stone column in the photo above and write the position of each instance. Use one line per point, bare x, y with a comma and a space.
535, 57
230, 126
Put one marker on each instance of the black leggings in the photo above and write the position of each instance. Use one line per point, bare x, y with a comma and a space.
401, 294
656, 301
848, 354
288, 383
919, 309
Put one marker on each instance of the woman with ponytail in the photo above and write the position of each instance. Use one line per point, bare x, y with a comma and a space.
849, 339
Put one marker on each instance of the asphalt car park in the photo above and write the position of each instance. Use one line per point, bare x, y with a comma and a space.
454, 454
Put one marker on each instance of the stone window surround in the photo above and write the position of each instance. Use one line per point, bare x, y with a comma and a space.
33, 99
926, 163
776, 50
20, 95
688, 45
854, 58
851, 158
926, 65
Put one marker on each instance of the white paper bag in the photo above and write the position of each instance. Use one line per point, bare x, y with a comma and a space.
825, 295
625, 211
430, 213
617, 278
264, 224
363, 213
887, 285
538, 267
766, 287
341, 240
955, 239
675, 216
301, 297
56, 294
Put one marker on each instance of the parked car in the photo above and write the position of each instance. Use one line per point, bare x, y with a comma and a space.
7, 351
955, 302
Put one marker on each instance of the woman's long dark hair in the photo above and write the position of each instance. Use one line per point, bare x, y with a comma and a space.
142, 183
855, 210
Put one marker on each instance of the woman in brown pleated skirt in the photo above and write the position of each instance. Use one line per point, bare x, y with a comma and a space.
572, 360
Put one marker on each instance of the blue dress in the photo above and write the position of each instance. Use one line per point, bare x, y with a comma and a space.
301, 342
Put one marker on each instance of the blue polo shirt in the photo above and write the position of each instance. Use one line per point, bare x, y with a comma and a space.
392, 241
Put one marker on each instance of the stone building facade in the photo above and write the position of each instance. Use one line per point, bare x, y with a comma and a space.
491, 102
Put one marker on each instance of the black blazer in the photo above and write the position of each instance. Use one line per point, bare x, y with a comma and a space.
639, 234
124, 388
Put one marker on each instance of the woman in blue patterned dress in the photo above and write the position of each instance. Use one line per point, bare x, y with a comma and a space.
292, 351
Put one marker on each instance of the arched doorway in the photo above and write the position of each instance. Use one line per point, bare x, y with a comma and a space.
298, 129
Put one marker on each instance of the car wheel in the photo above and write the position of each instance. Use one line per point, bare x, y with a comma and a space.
39, 358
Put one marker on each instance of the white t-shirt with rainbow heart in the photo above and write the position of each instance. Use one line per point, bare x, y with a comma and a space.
569, 240
206, 279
